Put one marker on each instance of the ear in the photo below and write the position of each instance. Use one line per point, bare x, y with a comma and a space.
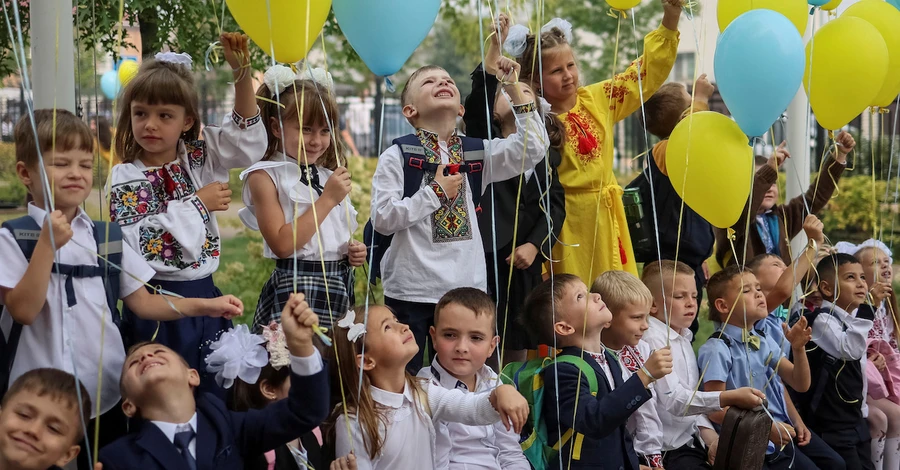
563, 329
494, 342
826, 289
432, 332
369, 363
193, 378
721, 305
653, 308
409, 112
129, 408
70, 454
188, 123
24, 174
276, 129
462, 110
267, 390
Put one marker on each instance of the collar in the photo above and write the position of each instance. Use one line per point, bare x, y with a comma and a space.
391, 399
447, 380
39, 214
658, 324
432, 136
169, 429
737, 333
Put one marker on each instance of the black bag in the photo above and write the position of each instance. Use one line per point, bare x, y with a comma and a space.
743, 439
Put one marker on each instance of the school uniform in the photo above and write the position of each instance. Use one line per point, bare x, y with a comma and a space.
286, 457
437, 242
329, 293
462, 447
541, 195
409, 429
607, 444
164, 220
216, 438
742, 358
833, 405
644, 426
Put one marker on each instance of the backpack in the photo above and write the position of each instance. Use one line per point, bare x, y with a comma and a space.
526, 377
414, 169
26, 232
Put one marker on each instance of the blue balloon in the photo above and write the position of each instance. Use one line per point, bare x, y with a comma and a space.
896, 3
385, 32
759, 64
817, 3
109, 84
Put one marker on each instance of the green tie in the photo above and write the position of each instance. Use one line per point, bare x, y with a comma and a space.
752, 339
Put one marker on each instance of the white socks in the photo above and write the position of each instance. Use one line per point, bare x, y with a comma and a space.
891, 459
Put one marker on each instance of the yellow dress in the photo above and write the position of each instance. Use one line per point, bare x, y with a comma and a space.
594, 237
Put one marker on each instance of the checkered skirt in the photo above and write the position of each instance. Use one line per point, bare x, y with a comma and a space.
311, 282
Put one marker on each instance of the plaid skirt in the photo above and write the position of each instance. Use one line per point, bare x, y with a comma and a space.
311, 282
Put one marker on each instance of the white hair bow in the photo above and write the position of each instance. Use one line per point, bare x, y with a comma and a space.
279, 77
237, 355
518, 34
182, 58
563, 26
356, 330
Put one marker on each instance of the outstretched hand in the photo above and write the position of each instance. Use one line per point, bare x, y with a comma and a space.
237, 49
799, 334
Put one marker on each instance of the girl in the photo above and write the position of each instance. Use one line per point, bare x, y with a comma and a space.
388, 420
533, 238
170, 184
298, 198
598, 239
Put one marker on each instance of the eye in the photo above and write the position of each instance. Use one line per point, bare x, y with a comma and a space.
165, 115
56, 430
449, 335
138, 113
307, 130
22, 414
478, 338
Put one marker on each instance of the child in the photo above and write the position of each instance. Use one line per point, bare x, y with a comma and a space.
57, 300
436, 240
773, 226
181, 431
302, 192
390, 419
562, 313
535, 196
169, 185
463, 336
41, 420
589, 112
738, 355
689, 439
841, 328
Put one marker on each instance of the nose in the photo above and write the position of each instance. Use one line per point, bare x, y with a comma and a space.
645, 325
462, 346
404, 327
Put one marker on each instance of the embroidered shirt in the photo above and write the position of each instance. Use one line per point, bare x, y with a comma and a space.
644, 425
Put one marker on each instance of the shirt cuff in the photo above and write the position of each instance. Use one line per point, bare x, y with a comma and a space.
306, 366
524, 108
668, 33
654, 461
201, 208
242, 122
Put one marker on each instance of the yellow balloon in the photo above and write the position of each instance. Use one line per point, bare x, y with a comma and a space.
127, 70
710, 165
831, 5
623, 4
886, 19
795, 10
289, 22
849, 63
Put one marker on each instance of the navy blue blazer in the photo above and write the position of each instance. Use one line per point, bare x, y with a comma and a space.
607, 444
225, 438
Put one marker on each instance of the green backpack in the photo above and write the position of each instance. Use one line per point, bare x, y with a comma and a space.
526, 377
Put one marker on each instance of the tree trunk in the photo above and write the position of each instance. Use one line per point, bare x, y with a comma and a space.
149, 25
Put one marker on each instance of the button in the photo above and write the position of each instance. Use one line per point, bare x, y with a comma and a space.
638, 398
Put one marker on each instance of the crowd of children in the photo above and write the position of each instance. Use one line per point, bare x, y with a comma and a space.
485, 239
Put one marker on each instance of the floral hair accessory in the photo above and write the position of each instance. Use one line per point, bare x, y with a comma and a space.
318, 75
515, 40
356, 329
873, 243
278, 77
563, 26
279, 356
237, 354
182, 58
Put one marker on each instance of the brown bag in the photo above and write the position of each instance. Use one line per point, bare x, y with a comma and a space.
743, 439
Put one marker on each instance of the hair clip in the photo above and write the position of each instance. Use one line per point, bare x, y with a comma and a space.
237, 354
562, 25
515, 40
279, 356
356, 330
182, 58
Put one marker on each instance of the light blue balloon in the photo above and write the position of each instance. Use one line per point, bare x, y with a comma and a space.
109, 84
759, 66
385, 32
896, 3
817, 3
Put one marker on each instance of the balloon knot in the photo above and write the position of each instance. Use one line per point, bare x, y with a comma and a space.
731, 234
212, 55
389, 85
614, 13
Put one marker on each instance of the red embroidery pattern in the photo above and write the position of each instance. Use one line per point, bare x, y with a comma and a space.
582, 136
631, 358
600, 358
878, 330
616, 90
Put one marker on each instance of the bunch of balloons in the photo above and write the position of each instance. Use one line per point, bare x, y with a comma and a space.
112, 81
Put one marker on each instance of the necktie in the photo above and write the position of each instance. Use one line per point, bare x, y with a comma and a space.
270, 460
309, 175
182, 441
752, 339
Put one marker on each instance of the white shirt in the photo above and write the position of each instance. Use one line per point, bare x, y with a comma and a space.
303, 366
461, 447
334, 231
60, 335
167, 223
643, 424
828, 332
409, 439
680, 410
416, 268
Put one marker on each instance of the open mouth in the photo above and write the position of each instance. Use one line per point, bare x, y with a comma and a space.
149, 366
444, 94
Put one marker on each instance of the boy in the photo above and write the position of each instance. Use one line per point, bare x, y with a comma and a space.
840, 327
61, 318
464, 338
773, 226
436, 240
180, 431
562, 312
689, 439
41, 420
739, 355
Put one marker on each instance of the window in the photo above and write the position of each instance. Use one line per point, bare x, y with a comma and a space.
683, 70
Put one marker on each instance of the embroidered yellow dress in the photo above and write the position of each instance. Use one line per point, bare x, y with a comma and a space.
595, 219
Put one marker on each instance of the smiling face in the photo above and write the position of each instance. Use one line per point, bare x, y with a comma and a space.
431, 93
316, 139
38, 431
69, 173
851, 287
746, 295
158, 127
627, 326
463, 340
148, 370
560, 74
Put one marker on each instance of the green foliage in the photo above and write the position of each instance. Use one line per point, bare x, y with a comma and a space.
243, 270
11, 189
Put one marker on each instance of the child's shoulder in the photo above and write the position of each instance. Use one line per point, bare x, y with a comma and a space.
195, 153
717, 343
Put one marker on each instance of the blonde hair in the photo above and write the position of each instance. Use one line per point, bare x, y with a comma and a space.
529, 61
69, 133
620, 289
157, 82
318, 107
654, 272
